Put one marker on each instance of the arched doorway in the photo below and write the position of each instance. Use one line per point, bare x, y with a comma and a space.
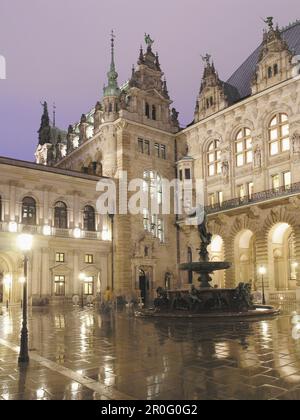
143, 286
245, 257
281, 253
216, 252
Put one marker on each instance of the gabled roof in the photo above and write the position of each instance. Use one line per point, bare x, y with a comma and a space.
241, 78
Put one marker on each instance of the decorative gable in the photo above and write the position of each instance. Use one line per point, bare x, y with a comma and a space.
275, 60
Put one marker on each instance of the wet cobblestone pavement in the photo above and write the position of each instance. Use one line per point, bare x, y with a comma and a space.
80, 354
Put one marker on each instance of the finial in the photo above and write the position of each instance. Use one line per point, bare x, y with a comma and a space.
141, 57
206, 58
269, 21
112, 48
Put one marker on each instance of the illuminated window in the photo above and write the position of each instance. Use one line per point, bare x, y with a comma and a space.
153, 186
287, 180
279, 134
220, 197
212, 200
214, 158
88, 286
59, 285
60, 257
241, 192
89, 259
276, 182
243, 147
250, 190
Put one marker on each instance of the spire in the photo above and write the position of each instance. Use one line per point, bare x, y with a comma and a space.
54, 114
165, 89
141, 56
112, 89
157, 63
45, 129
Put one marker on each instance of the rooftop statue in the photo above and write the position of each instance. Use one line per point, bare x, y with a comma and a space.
149, 42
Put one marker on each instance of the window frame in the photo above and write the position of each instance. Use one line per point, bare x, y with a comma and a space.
280, 137
59, 280
214, 150
89, 258
60, 257
245, 151
29, 211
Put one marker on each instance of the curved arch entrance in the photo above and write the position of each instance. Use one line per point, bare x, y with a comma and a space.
245, 257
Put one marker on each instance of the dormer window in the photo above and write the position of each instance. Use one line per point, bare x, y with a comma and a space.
270, 72
147, 110
154, 112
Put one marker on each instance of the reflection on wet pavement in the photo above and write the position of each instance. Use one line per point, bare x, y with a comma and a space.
84, 355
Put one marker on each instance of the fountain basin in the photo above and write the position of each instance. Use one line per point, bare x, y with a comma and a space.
259, 312
205, 266
208, 303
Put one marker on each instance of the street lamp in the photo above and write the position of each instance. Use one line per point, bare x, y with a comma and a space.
24, 243
263, 271
82, 277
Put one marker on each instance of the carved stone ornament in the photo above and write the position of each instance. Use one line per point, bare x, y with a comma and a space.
296, 143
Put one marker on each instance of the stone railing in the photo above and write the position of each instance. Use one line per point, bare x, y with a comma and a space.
40, 230
259, 197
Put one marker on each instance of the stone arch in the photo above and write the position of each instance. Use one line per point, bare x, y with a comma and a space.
281, 248
245, 257
216, 253
235, 128
267, 115
281, 231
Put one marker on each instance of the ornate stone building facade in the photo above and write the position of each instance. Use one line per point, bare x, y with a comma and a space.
244, 143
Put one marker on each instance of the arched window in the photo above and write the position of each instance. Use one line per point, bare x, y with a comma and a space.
60, 215
147, 110
276, 69
29, 211
214, 158
279, 134
243, 147
89, 223
154, 112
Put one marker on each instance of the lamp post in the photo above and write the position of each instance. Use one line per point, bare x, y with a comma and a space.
82, 279
263, 271
24, 243
112, 219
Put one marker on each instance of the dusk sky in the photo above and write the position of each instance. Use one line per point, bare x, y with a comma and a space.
58, 51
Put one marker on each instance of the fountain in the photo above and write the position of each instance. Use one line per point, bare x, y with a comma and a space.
206, 301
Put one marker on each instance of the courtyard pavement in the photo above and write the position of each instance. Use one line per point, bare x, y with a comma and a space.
81, 354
